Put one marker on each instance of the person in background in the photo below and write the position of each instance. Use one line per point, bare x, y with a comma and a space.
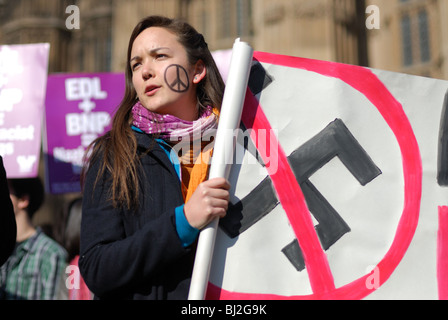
37, 265
8, 228
77, 288
145, 198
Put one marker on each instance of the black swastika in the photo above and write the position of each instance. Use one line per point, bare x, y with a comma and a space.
333, 141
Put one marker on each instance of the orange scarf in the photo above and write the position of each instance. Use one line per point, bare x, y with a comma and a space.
194, 167
195, 173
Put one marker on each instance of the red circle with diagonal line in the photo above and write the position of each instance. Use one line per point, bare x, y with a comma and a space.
293, 201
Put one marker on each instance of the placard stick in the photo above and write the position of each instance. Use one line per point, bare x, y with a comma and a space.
229, 122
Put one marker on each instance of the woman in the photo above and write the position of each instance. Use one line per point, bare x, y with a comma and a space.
144, 204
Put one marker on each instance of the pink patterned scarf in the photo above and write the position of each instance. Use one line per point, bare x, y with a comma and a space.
171, 128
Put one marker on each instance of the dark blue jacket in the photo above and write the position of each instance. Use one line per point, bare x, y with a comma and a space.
136, 255
8, 227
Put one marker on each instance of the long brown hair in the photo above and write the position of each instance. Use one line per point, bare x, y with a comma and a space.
117, 149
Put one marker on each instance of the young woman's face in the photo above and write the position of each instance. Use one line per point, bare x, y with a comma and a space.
162, 76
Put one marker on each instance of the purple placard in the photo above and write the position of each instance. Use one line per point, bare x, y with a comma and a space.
23, 79
79, 108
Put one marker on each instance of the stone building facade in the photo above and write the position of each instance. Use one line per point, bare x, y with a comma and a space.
411, 35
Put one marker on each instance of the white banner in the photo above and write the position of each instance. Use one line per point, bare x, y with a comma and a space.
338, 190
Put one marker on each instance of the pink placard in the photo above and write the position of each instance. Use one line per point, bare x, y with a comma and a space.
79, 108
23, 80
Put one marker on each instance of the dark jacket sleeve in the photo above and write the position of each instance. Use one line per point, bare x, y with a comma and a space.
114, 260
8, 228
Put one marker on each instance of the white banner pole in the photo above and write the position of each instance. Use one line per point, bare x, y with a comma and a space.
229, 122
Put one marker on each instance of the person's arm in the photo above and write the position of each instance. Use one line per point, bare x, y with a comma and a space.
186, 232
8, 228
111, 262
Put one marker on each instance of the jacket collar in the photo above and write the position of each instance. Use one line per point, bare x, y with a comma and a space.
148, 142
